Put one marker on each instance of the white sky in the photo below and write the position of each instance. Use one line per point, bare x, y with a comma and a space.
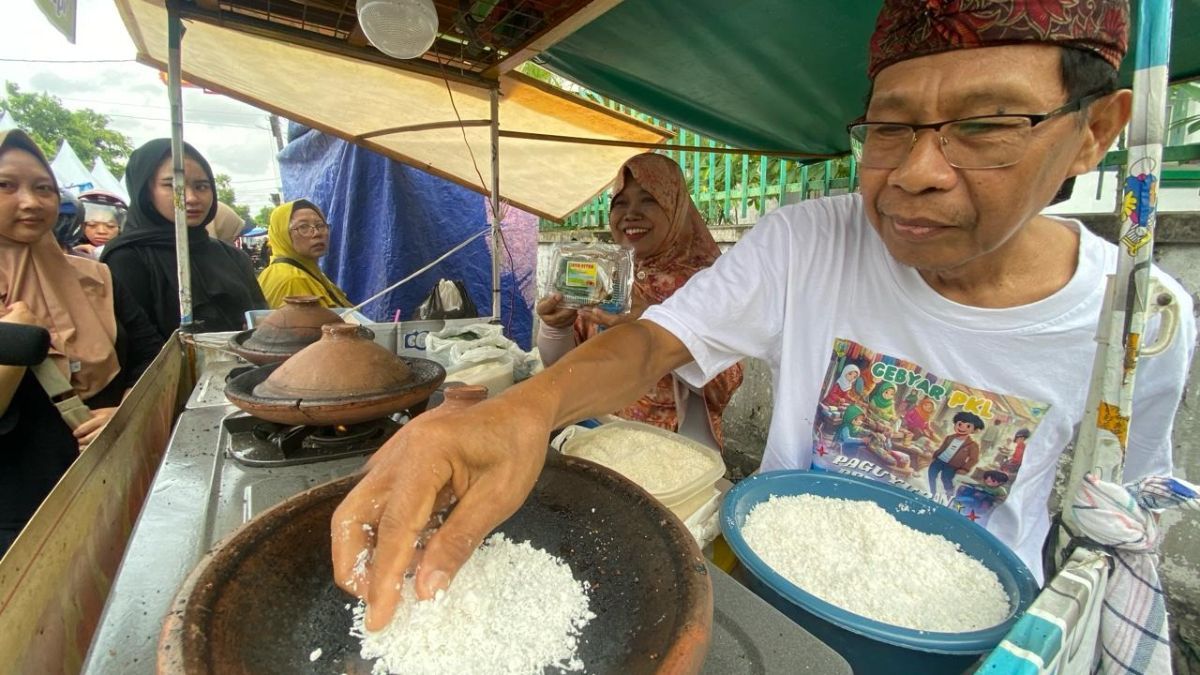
234, 137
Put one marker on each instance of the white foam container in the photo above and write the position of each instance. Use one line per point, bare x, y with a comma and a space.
682, 498
495, 375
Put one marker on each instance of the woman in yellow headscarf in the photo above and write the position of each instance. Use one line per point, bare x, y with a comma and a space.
298, 235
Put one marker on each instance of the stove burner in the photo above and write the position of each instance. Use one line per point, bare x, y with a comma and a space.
257, 443
338, 435
367, 435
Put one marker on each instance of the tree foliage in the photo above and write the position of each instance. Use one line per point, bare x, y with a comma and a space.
227, 195
46, 119
264, 216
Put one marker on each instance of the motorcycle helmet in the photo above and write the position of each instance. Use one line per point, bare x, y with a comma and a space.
68, 230
102, 197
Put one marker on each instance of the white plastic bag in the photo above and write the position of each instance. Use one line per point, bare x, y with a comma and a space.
458, 346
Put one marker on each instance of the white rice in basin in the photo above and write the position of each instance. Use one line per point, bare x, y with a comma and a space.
511, 609
857, 556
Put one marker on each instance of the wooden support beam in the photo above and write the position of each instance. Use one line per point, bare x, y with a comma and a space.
357, 37
428, 126
550, 37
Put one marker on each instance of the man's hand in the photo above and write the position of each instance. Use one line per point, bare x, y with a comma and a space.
552, 314
487, 457
18, 312
89, 430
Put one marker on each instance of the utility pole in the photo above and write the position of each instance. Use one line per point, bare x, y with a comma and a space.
276, 131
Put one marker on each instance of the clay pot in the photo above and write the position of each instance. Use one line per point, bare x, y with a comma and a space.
341, 363
456, 396
285, 331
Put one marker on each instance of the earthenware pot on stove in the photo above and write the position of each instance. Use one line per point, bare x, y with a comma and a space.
343, 378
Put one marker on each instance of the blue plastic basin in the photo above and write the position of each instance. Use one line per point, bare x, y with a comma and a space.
872, 646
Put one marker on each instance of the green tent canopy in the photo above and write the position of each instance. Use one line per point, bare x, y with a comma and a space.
771, 75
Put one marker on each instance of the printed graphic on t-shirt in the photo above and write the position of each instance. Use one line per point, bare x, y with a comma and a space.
889, 419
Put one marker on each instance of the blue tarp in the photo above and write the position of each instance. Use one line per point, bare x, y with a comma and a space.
388, 220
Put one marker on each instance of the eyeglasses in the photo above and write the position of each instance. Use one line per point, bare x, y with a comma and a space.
979, 142
307, 229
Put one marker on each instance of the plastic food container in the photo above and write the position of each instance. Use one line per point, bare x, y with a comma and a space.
682, 497
593, 274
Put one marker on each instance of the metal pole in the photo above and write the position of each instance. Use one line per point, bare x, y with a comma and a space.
1104, 432
496, 241
175, 96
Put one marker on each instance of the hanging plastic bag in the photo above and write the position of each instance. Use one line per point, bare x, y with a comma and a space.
457, 346
448, 299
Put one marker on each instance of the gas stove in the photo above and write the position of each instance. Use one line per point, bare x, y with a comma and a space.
256, 443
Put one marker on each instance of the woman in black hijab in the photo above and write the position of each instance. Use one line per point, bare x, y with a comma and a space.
142, 258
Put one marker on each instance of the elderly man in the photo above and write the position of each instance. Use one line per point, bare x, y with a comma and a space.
941, 277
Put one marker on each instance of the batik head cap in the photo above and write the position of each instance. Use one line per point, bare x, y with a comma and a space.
907, 29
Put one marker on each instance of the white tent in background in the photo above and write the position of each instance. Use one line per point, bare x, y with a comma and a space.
105, 180
70, 172
6, 121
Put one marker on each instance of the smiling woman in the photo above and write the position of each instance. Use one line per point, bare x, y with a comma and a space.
143, 256
299, 236
652, 214
99, 338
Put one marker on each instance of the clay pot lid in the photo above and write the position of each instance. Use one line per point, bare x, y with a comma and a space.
293, 326
342, 364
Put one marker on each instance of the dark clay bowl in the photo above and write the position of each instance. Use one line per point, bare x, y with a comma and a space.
425, 377
263, 599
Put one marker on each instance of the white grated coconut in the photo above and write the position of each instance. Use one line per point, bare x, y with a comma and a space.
654, 462
511, 609
857, 556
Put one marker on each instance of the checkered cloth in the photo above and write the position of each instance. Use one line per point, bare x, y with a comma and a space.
1090, 619
1134, 637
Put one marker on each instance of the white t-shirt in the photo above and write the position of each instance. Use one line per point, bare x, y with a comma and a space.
812, 291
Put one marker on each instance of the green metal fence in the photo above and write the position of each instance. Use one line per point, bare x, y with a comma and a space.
728, 189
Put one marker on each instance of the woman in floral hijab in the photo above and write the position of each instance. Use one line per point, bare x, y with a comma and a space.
651, 213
